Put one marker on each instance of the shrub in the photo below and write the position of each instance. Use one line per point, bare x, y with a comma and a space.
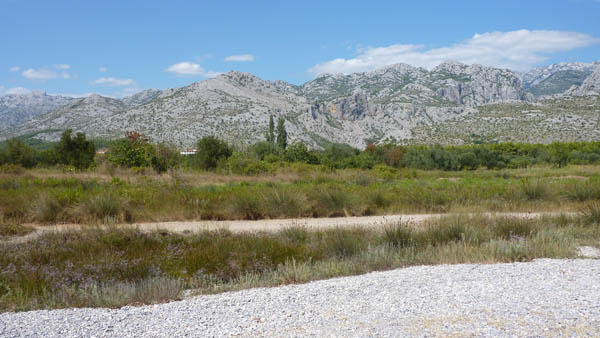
165, 157
534, 189
506, 228
344, 243
246, 205
591, 213
398, 235
583, 191
75, 151
17, 152
106, 207
331, 201
298, 152
12, 169
46, 208
130, 153
284, 203
210, 151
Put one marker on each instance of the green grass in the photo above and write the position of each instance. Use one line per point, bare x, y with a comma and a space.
76, 198
117, 266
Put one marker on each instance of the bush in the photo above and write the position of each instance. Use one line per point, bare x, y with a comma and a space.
130, 153
583, 191
506, 228
398, 235
17, 152
534, 189
298, 152
284, 203
210, 152
241, 164
12, 169
165, 157
246, 205
591, 213
75, 151
106, 207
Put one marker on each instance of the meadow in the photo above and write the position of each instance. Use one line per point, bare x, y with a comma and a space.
118, 265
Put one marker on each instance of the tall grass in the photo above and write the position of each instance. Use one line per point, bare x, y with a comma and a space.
83, 199
115, 267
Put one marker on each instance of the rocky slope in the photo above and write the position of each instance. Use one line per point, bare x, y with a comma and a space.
556, 78
16, 109
390, 103
590, 86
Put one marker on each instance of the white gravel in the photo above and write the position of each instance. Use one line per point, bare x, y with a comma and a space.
540, 298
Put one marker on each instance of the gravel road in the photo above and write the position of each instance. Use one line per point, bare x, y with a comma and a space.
541, 298
278, 224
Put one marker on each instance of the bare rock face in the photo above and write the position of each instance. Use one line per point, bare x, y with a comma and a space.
475, 85
590, 86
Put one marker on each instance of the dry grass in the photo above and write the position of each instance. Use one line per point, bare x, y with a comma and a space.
116, 267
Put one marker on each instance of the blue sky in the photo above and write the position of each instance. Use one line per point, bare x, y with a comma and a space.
120, 47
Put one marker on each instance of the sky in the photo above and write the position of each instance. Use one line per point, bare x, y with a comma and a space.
117, 48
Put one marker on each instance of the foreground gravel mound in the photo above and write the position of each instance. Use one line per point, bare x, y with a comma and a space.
544, 297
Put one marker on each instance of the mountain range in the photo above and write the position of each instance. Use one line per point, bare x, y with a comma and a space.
395, 103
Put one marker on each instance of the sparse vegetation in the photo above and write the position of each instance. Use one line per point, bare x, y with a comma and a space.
115, 267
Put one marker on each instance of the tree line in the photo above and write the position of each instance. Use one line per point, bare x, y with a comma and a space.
213, 154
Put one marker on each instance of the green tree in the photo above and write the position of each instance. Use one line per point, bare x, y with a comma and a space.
298, 152
281, 133
128, 152
76, 151
165, 157
210, 151
18, 152
271, 132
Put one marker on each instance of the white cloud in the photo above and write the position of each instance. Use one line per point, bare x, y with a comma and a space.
517, 50
113, 82
240, 58
39, 74
14, 69
44, 74
62, 67
102, 69
14, 90
190, 69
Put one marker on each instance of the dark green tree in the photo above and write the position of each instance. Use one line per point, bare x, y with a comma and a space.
76, 151
18, 152
271, 132
165, 157
281, 133
210, 152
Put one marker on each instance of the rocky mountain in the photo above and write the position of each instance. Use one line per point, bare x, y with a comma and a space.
16, 109
397, 102
142, 97
556, 78
590, 86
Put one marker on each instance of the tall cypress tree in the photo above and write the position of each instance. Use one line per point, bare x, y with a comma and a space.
271, 132
281, 133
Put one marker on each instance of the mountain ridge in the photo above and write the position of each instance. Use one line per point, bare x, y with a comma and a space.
383, 104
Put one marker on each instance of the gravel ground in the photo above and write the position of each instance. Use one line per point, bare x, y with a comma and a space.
540, 298
278, 224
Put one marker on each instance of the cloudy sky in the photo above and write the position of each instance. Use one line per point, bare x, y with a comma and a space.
117, 48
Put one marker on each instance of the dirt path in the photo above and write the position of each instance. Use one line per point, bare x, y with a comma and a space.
274, 224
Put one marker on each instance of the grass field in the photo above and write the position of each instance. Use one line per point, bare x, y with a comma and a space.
44, 196
115, 266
